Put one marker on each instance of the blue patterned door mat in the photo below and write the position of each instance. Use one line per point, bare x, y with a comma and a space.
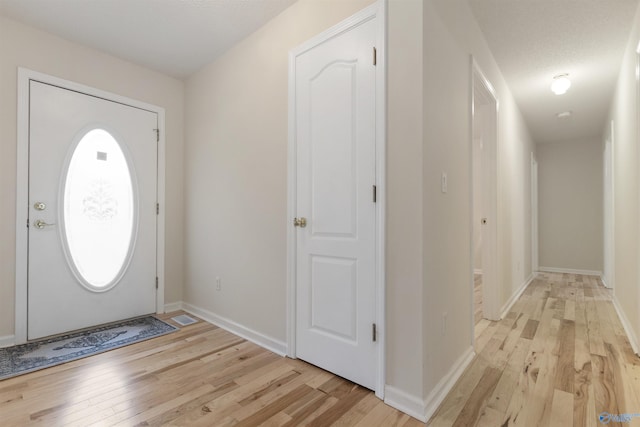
35, 355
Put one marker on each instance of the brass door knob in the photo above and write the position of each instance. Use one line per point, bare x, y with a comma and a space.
300, 222
40, 224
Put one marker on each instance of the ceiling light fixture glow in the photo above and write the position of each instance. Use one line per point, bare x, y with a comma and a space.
561, 84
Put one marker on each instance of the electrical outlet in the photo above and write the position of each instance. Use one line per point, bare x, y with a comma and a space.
218, 283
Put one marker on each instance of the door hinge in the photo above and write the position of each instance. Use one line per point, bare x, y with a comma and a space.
375, 194
156, 282
157, 131
27, 222
375, 56
374, 331
157, 208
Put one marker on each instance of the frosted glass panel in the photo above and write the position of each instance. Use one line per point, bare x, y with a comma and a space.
98, 209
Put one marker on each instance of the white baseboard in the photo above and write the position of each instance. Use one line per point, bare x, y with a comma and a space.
7, 341
173, 306
271, 344
633, 339
570, 271
507, 305
444, 386
604, 282
405, 402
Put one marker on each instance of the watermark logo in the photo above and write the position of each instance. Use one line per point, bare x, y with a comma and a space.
606, 418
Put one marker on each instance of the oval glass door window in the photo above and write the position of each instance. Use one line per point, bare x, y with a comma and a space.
98, 211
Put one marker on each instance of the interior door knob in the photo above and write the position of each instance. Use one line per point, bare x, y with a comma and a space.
300, 222
40, 224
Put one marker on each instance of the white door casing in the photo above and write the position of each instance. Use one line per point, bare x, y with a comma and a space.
484, 114
54, 114
534, 214
335, 283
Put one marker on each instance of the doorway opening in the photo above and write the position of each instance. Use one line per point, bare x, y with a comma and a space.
484, 149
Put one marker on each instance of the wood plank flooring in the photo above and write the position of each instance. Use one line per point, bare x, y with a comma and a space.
559, 358
198, 376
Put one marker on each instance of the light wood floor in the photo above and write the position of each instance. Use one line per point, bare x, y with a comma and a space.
199, 376
559, 358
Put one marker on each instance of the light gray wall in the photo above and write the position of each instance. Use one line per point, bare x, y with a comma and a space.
570, 204
450, 35
236, 171
625, 115
24, 46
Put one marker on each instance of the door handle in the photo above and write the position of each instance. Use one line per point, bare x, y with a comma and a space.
40, 224
300, 222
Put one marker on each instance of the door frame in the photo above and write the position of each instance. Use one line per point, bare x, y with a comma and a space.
375, 11
490, 263
25, 76
608, 264
534, 214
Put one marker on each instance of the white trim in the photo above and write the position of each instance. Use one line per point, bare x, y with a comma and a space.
507, 306
7, 341
381, 179
571, 271
271, 344
633, 339
22, 180
477, 271
377, 11
491, 263
604, 281
444, 386
173, 306
534, 214
609, 257
405, 402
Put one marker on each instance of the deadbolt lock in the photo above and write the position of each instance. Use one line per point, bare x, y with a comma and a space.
39, 206
300, 222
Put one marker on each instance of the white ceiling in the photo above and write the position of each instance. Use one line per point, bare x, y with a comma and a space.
176, 37
534, 40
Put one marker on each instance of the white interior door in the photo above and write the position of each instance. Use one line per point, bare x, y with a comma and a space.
335, 173
92, 211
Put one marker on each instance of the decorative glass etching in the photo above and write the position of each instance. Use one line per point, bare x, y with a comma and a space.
98, 210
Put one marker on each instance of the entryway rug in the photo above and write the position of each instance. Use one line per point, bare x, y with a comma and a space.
29, 357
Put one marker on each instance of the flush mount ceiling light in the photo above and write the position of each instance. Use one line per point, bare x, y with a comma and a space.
561, 84
564, 115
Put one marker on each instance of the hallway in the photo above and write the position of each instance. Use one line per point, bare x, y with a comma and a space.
561, 346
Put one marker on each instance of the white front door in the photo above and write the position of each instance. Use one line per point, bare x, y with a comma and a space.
92, 211
335, 177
